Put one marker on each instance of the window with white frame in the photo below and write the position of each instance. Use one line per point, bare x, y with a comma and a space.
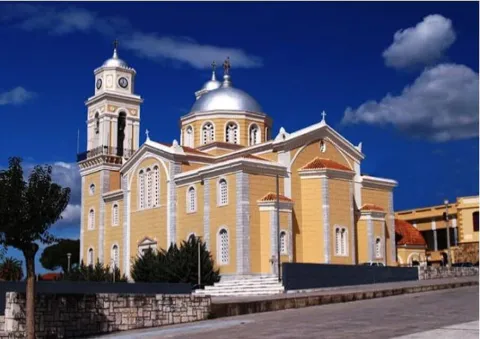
378, 248
90, 257
231, 133
115, 215
222, 192
208, 133
141, 189
91, 219
283, 242
149, 192
341, 241
254, 135
115, 256
188, 138
191, 199
223, 247
156, 186
92, 189
146, 245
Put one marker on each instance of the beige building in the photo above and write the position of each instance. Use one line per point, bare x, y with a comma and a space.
463, 225
219, 183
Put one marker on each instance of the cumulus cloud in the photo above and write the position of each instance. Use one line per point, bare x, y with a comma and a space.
422, 44
72, 214
16, 96
441, 105
58, 20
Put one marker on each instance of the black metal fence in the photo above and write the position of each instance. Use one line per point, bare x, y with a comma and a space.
297, 276
69, 287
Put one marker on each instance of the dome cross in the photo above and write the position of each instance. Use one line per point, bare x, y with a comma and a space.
323, 116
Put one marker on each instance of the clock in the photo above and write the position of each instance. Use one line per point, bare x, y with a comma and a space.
99, 83
123, 82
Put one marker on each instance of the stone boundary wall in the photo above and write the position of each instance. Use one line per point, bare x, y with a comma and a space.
431, 272
73, 315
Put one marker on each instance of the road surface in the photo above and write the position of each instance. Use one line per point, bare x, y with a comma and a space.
409, 316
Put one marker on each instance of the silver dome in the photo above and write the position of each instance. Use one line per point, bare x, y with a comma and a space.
211, 85
115, 61
226, 98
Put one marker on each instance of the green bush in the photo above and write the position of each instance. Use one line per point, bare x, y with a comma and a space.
177, 264
99, 272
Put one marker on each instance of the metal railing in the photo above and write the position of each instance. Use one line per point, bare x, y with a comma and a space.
105, 150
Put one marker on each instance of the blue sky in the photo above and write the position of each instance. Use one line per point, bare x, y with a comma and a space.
402, 78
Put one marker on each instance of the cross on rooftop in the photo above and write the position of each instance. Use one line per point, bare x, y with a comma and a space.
323, 115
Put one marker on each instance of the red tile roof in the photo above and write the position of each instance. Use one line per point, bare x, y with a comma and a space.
321, 163
51, 276
371, 207
409, 234
273, 197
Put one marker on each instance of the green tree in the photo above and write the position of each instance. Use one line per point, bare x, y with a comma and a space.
177, 264
11, 269
55, 256
99, 272
27, 211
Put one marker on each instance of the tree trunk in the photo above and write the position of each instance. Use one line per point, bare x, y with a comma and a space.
29, 255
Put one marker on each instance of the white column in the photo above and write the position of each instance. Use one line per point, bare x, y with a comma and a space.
434, 229
357, 184
136, 135
114, 137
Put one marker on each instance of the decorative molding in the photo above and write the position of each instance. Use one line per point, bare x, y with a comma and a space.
206, 213
326, 219
378, 183
195, 116
242, 223
113, 195
326, 172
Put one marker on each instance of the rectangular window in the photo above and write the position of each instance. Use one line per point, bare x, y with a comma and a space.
475, 221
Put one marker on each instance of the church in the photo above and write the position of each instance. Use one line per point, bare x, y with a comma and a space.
220, 182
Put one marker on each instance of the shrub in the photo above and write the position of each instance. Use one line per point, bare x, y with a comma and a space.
11, 269
99, 272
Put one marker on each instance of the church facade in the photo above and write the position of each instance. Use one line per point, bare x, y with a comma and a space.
220, 182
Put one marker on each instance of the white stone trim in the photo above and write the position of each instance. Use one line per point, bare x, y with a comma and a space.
206, 213
192, 117
219, 193
82, 219
219, 246
370, 237
242, 223
326, 219
353, 243
189, 200
379, 183
274, 237
284, 158
172, 204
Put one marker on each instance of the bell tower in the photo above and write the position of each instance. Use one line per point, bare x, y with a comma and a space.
113, 122
113, 126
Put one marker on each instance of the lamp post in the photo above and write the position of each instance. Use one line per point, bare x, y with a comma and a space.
69, 255
278, 228
448, 234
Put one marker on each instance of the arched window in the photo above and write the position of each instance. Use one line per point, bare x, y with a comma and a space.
91, 219
223, 248
191, 200
254, 135
90, 257
149, 175
341, 241
188, 138
283, 242
92, 189
222, 192
156, 186
231, 133
378, 248
115, 214
115, 256
141, 189
208, 133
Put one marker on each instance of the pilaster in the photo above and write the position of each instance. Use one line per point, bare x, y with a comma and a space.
326, 219
434, 229
174, 169
82, 218
353, 243
274, 239
126, 227
242, 223
206, 213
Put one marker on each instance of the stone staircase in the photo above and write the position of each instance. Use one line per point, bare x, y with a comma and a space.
244, 285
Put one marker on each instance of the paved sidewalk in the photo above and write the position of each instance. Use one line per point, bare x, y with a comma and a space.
465, 331
344, 289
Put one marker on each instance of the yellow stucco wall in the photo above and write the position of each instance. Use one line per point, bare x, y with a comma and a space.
381, 198
149, 222
405, 255
465, 223
189, 166
362, 241
189, 222
309, 237
340, 215
90, 237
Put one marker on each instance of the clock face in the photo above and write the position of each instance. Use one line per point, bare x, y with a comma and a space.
99, 83
123, 82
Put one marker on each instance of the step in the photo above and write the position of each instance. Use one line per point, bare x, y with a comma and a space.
248, 284
239, 290
244, 293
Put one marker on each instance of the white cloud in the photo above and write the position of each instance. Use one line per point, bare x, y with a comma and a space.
422, 44
16, 96
71, 214
65, 20
441, 105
